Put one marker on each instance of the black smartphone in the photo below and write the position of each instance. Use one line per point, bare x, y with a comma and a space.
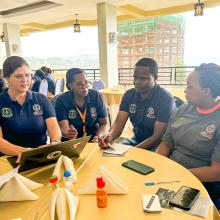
138, 167
184, 198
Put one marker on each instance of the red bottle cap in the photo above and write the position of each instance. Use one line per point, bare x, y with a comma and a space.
53, 179
100, 182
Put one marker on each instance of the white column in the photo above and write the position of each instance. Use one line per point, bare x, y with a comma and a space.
12, 39
107, 29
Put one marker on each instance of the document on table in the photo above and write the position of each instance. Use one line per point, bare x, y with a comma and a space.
117, 149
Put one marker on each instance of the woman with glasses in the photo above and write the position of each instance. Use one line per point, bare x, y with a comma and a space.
25, 116
192, 137
81, 111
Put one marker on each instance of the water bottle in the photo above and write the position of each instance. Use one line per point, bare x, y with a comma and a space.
68, 180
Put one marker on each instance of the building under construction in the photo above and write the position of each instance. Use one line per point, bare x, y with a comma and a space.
161, 38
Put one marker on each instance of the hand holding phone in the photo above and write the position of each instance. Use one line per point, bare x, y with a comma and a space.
185, 197
138, 167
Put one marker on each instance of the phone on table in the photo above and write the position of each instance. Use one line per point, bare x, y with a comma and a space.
184, 198
138, 167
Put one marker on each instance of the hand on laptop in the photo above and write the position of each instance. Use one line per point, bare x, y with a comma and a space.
105, 141
19, 155
71, 132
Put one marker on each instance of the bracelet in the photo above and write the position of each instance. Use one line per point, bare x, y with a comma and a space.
56, 141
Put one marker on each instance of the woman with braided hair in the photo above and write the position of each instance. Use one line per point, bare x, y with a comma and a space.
192, 137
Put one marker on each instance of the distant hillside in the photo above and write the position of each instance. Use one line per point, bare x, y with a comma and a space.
87, 61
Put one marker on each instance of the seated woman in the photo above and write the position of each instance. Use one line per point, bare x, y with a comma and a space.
192, 137
39, 75
81, 111
50, 80
25, 116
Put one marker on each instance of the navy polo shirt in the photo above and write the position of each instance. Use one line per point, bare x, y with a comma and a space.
25, 125
143, 114
95, 109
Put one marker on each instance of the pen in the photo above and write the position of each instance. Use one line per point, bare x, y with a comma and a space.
153, 183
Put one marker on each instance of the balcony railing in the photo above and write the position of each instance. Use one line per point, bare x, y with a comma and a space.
167, 75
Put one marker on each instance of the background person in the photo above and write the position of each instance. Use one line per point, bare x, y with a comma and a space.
192, 137
81, 111
39, 75
147, 105
25, 116
50, 80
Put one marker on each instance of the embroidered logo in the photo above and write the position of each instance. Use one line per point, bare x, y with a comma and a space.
6, 112
132, 108
208, 132
72, 114
93, 112
37, 109
150, 112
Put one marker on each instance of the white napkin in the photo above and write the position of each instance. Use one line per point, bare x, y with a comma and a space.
64, 163
63, 204
18, 188
113, 184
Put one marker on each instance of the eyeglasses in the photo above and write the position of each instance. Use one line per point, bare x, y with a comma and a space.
23, 76
81, 84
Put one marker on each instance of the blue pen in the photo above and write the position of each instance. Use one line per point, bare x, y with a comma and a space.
153, 183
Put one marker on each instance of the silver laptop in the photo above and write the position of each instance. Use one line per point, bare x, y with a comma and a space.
49, 154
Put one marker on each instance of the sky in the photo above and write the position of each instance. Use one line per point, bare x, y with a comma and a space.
202, 40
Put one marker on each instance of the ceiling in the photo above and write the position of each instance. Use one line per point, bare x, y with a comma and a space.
40, 15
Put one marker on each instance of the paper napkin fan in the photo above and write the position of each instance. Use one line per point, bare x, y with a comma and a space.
113, 184
18, 188
64, 163
63, 204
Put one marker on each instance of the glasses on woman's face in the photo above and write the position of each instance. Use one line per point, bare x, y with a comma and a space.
23, 76
83, 83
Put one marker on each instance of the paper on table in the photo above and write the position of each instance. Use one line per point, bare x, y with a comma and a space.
118, 149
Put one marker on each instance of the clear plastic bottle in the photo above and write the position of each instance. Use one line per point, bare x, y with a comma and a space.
101, 194
68, 180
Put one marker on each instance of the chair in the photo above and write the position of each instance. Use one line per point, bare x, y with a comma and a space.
59, 86
43, 88
53, 100
98, 85
178, 101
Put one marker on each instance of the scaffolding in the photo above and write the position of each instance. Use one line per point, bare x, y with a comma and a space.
161, 38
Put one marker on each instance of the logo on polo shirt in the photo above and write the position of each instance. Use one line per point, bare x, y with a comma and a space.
72, 114
150, 112
93, 112
6, 112
37, 109
132, 108
208, 132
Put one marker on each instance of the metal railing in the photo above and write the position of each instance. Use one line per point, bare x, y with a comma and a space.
166, 75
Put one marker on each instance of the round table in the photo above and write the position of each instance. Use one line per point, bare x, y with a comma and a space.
120, 207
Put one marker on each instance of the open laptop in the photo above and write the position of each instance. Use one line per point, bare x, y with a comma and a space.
49, 154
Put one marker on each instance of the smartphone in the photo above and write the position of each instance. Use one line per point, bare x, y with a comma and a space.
184, 198
138, 167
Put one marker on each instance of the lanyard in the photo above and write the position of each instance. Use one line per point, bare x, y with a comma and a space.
83, 118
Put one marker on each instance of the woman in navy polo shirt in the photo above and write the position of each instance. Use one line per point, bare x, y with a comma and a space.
81, 111
25, 116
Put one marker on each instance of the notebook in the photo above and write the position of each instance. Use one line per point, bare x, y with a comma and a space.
49, 154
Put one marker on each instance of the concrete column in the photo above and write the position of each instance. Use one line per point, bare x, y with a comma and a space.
107, 29
12, 39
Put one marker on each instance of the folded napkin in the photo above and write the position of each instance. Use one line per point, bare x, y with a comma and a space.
14, 187
113, 184
64, 163
63, 204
